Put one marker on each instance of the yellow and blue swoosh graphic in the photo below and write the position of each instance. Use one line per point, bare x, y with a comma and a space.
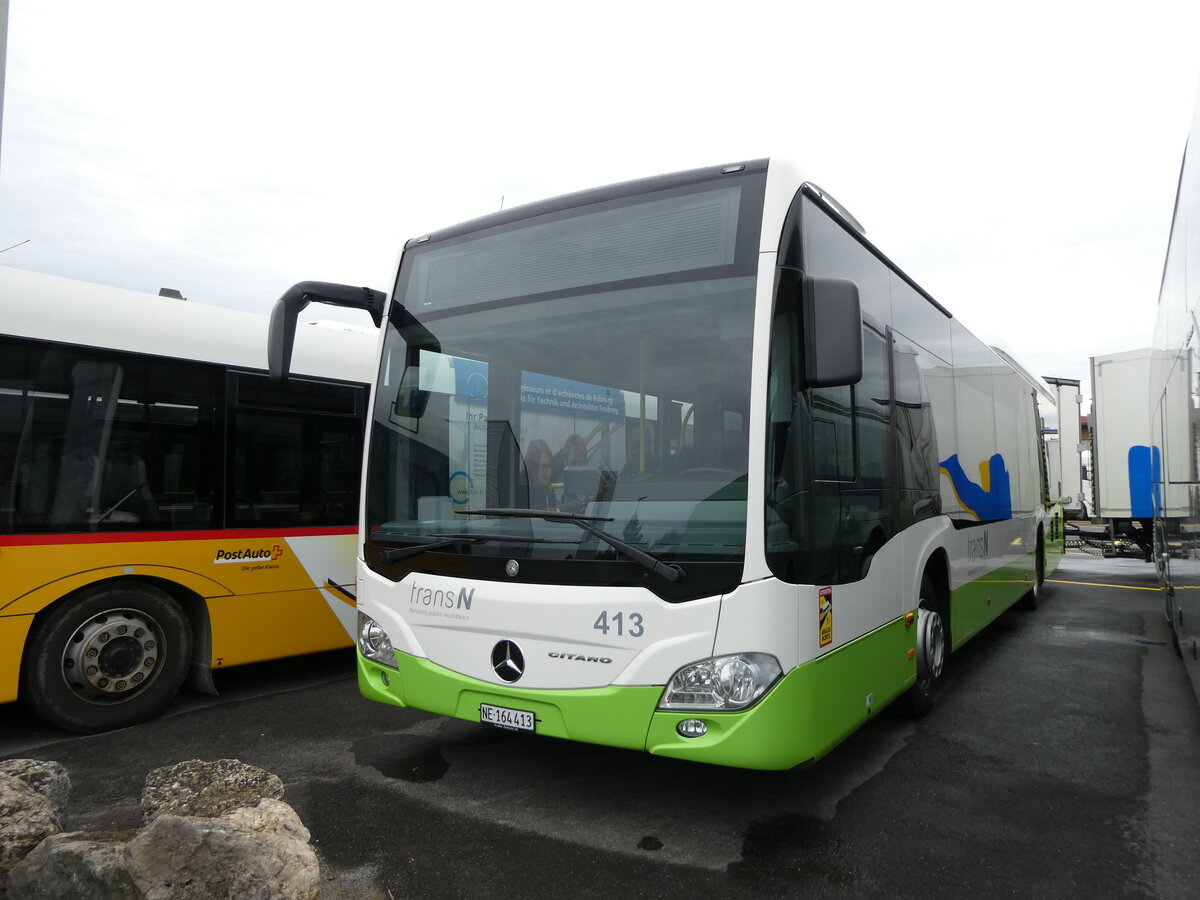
991, 499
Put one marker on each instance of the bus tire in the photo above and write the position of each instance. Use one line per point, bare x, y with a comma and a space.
932, 649
1032, 598
1171, 622
110, 656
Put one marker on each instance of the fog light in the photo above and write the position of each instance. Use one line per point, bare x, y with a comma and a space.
691, 728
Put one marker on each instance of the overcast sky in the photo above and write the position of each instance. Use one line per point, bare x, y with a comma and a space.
1019, 159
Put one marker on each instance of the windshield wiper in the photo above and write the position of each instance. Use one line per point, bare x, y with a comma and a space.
395, 554
651, 563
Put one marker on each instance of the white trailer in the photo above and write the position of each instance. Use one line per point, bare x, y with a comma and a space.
1128, 475
1064, 449
1175, 424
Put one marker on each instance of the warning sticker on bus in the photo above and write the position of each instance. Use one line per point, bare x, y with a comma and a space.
825, 615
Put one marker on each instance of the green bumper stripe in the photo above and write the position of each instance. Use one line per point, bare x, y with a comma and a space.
808, 712
615, 716
801, 718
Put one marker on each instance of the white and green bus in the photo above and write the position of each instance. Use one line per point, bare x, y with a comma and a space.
683, 465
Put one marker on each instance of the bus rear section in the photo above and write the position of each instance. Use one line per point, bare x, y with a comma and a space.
165, 508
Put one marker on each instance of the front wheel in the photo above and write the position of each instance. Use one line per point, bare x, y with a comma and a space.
932, 649
112, 655
1171, 614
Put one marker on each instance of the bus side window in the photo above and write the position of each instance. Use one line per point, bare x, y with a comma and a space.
787, 488
126, 486
872, 402
296, 447
784, 451
833, 433
917, 455
851, 423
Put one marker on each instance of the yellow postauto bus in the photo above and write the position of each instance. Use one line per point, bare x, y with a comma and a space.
165, 508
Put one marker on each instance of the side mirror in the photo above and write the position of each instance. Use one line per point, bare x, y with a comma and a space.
832, 339
282, 334
411, 401
409, 405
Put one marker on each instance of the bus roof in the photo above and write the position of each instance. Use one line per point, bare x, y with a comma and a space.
1035, 381
52, 308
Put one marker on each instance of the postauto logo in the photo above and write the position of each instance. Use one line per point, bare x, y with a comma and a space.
248, 554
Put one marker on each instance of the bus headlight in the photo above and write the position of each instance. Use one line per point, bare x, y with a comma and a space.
373, 642
721, 683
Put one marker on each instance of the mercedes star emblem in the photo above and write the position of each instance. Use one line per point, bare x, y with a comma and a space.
508, 661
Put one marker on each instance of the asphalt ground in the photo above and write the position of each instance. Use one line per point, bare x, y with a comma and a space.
1062, 759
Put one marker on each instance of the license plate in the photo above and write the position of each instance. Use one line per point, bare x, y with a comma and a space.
503, 717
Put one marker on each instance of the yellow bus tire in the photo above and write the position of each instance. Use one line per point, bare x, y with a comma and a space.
108, 656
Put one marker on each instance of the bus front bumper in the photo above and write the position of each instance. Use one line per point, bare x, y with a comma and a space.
768, 735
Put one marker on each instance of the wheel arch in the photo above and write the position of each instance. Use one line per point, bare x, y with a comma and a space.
192, 603
195, 607
937, 567
872, 545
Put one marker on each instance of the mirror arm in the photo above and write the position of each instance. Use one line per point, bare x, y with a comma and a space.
281, 336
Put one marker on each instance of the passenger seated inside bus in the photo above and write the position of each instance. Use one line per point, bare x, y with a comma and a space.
574, 452
539, 467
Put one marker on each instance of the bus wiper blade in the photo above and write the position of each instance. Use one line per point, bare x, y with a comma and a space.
396, 554
654, 565
449, 540
520, 513
520, 538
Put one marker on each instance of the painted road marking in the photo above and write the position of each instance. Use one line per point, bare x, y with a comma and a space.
1128, 587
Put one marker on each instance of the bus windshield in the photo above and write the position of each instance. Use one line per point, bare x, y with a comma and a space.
592, 361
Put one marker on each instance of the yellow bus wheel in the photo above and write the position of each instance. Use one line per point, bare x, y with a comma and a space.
109, 656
